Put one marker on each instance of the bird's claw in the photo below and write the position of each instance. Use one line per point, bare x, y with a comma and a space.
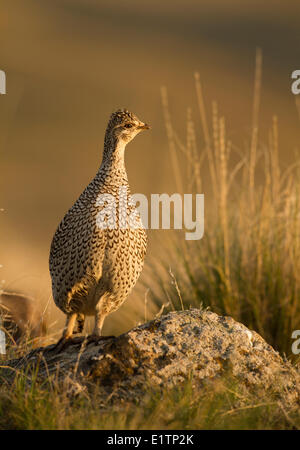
96, 339
64, 342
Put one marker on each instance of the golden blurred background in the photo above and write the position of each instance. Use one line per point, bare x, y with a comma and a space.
70, 63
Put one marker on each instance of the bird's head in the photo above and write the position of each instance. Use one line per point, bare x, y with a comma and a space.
123, 126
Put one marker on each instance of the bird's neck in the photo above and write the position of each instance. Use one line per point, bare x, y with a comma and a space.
113, 161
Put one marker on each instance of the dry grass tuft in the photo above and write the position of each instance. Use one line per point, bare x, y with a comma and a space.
248, 263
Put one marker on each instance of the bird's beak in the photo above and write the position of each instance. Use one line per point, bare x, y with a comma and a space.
144, 126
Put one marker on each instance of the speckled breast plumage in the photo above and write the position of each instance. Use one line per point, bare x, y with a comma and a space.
87, 261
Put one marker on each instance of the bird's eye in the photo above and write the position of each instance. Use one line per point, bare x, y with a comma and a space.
128, 125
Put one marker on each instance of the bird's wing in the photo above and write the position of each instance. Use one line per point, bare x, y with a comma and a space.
76, 254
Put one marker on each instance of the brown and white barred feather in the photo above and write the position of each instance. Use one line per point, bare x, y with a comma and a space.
89, 263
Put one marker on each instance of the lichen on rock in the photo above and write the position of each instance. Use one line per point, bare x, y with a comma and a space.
165, 351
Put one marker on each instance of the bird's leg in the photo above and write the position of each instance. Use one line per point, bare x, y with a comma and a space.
80, 319
66, 338
99, 320
69, 327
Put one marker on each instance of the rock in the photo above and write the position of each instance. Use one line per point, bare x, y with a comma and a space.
165, 351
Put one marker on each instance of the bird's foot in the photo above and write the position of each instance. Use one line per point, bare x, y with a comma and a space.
65, 342
95, 338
